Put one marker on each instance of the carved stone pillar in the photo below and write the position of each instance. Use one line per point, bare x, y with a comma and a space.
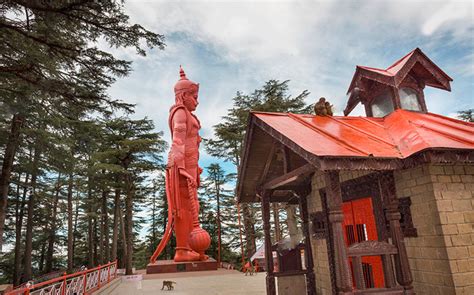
270, 279
334, 204
308, 253
402, 265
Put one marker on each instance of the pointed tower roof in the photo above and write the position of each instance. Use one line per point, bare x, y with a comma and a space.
415, 63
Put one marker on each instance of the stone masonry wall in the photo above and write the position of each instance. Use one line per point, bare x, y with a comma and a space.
442, 256
319, 247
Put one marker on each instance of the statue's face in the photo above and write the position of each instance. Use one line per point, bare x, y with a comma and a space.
190, 99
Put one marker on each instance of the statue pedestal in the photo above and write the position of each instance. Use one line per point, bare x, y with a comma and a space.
169, 266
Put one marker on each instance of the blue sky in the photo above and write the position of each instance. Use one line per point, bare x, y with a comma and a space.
230, 46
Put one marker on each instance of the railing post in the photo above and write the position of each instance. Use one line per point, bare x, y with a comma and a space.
358, 272
388, 271
28, 286
63, 290
108, 272
98, 278
85, 282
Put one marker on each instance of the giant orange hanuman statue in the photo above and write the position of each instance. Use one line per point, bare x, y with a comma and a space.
182, 177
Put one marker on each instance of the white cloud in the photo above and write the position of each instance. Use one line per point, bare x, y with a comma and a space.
229, 46
238, 45
451, 15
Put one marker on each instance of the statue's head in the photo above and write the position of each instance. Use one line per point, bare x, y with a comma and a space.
186, 91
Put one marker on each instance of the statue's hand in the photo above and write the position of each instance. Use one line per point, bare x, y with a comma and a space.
188, 176
176, 156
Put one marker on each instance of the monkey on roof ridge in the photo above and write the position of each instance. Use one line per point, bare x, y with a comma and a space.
323, 108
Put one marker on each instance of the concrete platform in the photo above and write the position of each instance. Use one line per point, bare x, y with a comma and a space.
222, 281
169, 266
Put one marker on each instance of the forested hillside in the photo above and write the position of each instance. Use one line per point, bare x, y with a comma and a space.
81, 181
75, 161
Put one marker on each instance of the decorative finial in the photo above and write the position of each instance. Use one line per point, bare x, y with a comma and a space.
182, 74
184, 84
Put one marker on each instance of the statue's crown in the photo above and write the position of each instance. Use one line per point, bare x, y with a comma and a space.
184, 83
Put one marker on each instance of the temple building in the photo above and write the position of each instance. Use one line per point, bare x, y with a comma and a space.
386, 200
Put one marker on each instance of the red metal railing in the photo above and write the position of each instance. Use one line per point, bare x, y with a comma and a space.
79, 283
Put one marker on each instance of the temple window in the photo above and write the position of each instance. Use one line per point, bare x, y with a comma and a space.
409, 99
382, 105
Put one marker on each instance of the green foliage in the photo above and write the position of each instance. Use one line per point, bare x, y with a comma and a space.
218, 205
229, 135
466, 115
54, 76
157, 205
272, 97
49, 52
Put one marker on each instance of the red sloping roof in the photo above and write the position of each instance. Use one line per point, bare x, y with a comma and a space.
393, 69
398, 65
398, 135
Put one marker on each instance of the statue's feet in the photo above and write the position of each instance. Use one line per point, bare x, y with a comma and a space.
203, 257
184, 255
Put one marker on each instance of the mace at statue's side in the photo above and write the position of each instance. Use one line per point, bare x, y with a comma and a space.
182, 178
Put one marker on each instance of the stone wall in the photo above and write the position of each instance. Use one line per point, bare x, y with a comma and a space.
319, 247
442, 256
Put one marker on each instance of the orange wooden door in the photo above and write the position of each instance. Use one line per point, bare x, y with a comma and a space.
359, 225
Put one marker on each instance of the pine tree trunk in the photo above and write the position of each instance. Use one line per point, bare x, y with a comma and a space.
105, 253
19, 211
95, 240
242, 251
153, 223
42, 255
101, 236
30, 213
123, 240
70, 233
219, 233
90, 227
249, 229
52, 227
90, 237
115, 229
76, 217
129, 224
9, 156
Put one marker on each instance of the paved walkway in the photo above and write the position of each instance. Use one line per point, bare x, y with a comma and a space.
197, 283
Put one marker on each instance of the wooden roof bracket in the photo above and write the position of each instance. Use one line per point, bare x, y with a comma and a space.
288, 177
